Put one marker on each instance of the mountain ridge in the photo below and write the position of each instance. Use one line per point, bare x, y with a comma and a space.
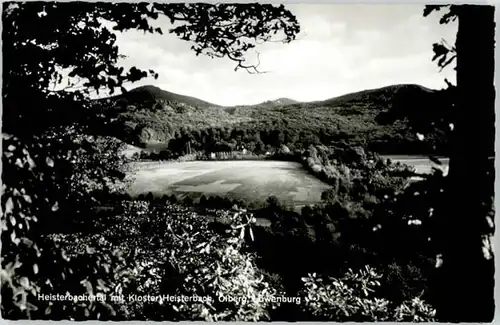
390, 89
154, 93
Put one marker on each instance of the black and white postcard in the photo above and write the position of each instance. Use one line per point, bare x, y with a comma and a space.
247, 161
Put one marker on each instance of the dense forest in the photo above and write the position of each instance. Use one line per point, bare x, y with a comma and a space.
378, 120
377, 248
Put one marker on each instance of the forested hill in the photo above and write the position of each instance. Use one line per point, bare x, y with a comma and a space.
380, 97
377, 119
147, 94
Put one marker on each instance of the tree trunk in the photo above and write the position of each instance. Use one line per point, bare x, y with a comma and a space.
467, 273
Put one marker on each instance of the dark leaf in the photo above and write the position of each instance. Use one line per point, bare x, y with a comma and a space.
435, 160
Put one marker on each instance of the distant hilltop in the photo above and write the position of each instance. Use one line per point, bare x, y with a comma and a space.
280, 101
153, 93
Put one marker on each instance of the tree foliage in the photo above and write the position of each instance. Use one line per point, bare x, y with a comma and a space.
353, 297
50, 185
444, 53
464, 222
46, 43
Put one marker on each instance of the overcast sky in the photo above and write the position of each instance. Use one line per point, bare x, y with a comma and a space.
341, 49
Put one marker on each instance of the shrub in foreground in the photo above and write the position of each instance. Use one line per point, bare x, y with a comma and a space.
354, 298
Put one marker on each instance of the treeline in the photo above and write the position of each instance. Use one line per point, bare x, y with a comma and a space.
252, 142
208, 202
166, 155
334, 164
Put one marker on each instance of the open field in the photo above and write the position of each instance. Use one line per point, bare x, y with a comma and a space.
422, 164
250, 181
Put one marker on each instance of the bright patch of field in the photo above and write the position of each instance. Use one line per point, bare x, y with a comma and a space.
422, 164
250, 181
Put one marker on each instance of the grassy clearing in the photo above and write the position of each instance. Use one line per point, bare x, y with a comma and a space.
245, 180
422, 164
